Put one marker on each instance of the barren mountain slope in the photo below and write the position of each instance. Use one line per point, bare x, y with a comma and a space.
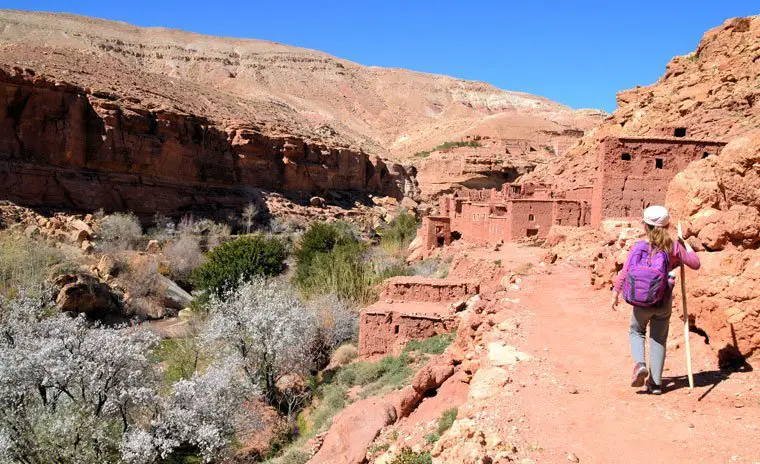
384, 111
712, 93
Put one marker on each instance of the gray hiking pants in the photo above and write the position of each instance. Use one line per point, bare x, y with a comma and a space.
658, 320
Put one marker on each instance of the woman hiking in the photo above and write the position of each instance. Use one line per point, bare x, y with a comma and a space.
646, 282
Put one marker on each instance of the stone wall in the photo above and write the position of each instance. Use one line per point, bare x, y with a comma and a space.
382, 333
634, 172
415, 288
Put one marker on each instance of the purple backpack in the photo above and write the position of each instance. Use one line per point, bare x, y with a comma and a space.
647, 280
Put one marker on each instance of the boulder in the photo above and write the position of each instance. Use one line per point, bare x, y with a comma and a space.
432, 375
409, 204
80, 236
84, 293
79, 225
317, 202
106, 267
353, 431
405, 400
175, 297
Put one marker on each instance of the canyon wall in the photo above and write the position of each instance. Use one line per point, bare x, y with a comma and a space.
67, 146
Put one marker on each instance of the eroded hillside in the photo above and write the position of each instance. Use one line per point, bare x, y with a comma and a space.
712, 93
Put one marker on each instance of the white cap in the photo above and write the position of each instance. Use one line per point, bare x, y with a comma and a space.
657, 216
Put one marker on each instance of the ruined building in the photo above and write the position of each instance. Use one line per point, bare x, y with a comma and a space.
633, 173
411, 308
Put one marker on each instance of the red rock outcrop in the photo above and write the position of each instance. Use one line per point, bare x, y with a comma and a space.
709, 94
63, 145
353, 430
718, 200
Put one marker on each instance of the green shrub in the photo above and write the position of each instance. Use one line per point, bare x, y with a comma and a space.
446, 420
331, 260
333, 398
321, 237
436, 344
407, 456
399, 232
431, 438
390, 373
240, 260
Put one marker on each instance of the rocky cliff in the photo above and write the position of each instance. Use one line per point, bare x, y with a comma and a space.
82, 144
712, 93
234, 113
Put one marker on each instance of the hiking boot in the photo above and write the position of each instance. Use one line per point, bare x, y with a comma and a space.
640, 374
653, 388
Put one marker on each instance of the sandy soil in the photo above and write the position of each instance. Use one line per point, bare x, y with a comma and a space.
575, 396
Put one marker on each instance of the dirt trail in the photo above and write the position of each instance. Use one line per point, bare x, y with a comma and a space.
574, 397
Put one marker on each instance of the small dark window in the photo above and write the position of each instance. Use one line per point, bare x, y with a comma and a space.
531, 232
658, 163
679, 132
395, 330
705, 155
531, 217
626, 157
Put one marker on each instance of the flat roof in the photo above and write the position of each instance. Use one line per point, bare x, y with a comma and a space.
416, 309
668, 139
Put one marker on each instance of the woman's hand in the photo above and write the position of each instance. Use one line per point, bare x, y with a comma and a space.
615, 301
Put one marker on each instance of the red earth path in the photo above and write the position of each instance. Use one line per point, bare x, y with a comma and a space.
575, 397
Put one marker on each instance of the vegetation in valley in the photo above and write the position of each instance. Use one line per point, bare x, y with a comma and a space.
254, 334
399, 233
446, 146
331, 259
239, 260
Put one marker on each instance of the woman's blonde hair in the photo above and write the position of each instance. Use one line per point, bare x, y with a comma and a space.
659, 238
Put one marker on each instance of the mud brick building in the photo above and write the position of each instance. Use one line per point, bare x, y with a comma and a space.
634, 172
514, 212
410, 308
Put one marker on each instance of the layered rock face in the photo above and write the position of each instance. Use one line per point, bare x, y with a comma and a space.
234, 108
64, 145
711, 93
719, 201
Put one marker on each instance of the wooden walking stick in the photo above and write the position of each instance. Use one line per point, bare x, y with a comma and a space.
685, 315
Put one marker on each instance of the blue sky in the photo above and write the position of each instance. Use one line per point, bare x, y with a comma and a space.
577, 53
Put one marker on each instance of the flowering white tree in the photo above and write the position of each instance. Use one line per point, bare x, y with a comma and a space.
68, 388
199, 414
267, 329
72, 391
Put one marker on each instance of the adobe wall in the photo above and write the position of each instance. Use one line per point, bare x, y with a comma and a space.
436, 231
472, 223
634, 172
568, 213
384, 333
579, 194
530, 218
415, 288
